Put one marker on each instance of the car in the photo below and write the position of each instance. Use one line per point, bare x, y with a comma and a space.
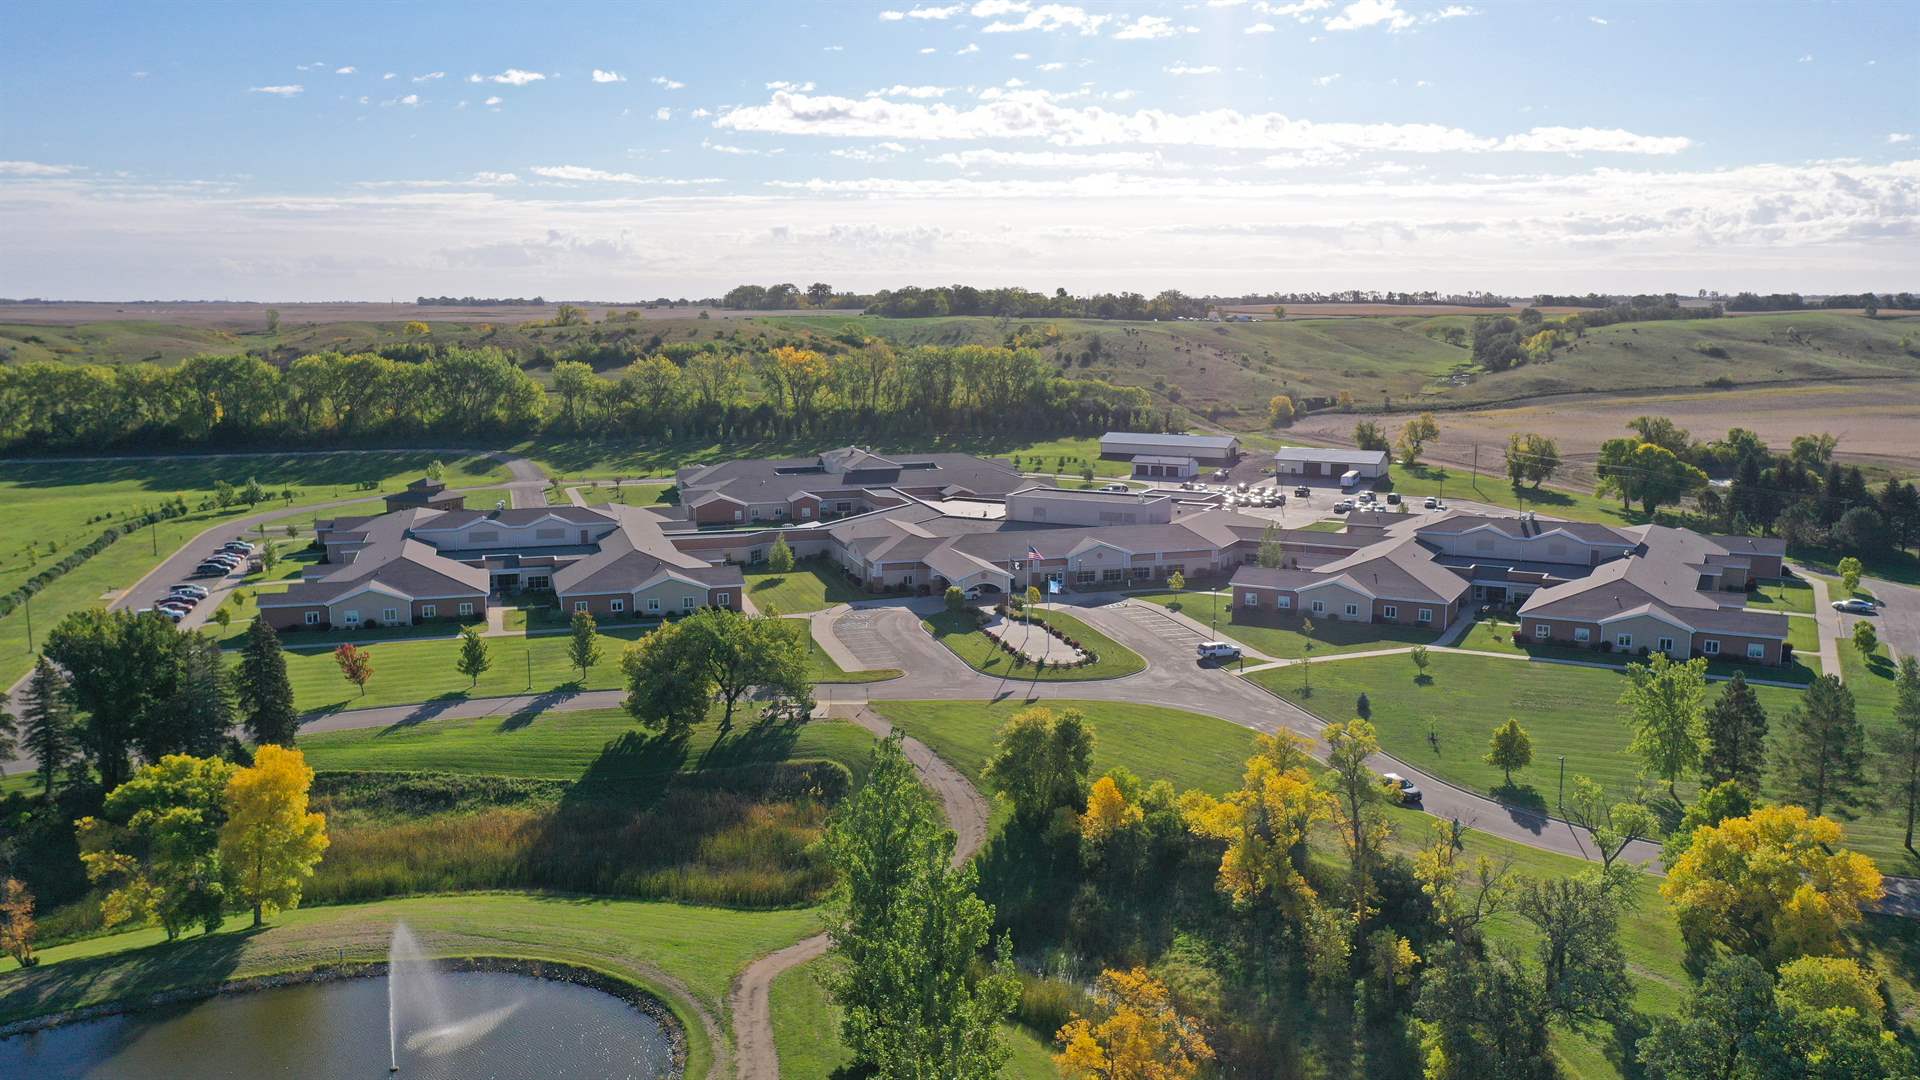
1366, 496
170, 616
1856, 606
195, 591
1122, 488
1219, 652
1432, 503
172, 608
1303, 492
1402, 788
1243, 487
178, 600
1343, 506
1274, 498
241, 546
1393, 498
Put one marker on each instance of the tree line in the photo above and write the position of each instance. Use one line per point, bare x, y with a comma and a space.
482, 392
1508, 341
1870, 302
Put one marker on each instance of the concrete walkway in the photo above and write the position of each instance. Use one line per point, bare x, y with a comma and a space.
1829, 621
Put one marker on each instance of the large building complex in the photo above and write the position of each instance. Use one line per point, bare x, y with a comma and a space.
925, 523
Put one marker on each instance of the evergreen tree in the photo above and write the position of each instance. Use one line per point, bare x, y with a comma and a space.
1901, 743
1824, 752
262, 690
1736, 736
51, 735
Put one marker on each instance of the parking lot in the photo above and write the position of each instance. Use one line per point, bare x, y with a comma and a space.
1150, 620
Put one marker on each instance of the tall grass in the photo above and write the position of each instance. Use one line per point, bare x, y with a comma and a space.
741, 838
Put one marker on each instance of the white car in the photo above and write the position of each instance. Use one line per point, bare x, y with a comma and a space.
194, 591
1402, 788
1856, 606
1121, 488
1217, 651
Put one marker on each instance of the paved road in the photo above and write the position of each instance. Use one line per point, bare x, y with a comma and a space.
1899, 619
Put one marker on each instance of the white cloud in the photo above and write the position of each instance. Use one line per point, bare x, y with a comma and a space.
1805, 59
1032, 115
699, 113
479, 179
1151, 27
967, 50
278, 91
492, 102
928, 51
585, 174
1022, 56
510, 77
1259, 28
1051, 66
1596, 20
348, 70
391, 75
1894, 137
923, 13
885, 151
600, 76
833, 48
142, 74
1302, 10
903, 90
663, 113
35, 168
1014, 84
431, 76
409, 100
1362, 14
795, 87
1046, 159
1188, 69
1045, 18
1326, 80
668, 84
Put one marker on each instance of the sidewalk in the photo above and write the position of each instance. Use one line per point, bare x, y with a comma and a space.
1829, 621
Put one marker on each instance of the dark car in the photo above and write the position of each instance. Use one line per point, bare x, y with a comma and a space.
1303, 492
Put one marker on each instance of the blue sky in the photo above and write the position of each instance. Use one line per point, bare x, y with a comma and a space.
348, 151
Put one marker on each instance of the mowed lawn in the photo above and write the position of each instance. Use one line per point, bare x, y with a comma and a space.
812, 585
700, 947
958, 632
625, 494
1498, 636
598, 744
1285, 640
405, 672
1782, 594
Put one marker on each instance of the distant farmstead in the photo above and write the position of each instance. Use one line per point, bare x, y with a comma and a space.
1172, 457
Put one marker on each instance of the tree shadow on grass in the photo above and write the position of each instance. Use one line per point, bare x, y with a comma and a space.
131, 974
1517, 797
765, 584
539, 703
431, 709
752, 745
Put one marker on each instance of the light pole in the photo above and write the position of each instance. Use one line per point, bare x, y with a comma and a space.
1563, 784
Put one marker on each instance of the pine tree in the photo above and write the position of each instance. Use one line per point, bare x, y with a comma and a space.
1736, 736
262, 690
1824, 752
51, 734
1901, 742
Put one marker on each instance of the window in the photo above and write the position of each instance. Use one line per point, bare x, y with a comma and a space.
353, 618
1249, 599
616, 605
313, 618
1425, 615
1756, 651
686, 603
806, 512
1666, 644
539, 581
429, 611
466, 609
1319, 606
1283, 601
906, 579
1711, 646
1083, 577
739, 515
550, 534
579, 605
724, 600
1389, 612
390, 615
1581, 633
844, 506
1353, 609
1110, 574
1542, 631
1142, 573
1624, 641
653, 603
483, 535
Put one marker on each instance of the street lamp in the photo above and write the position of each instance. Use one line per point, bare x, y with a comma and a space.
1563, 784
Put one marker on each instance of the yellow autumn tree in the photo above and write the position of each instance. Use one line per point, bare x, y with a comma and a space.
1775, 883
802, 372
271, 841
1141, 1037
1264, 824
1108, 812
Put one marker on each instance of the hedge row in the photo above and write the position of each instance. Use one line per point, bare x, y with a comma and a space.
84, 552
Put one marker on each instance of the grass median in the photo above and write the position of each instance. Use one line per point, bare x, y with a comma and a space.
960, 632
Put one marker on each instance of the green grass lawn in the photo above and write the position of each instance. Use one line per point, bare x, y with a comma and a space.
1452, 482
485, 499
633, 940
957, 632
812, 585
1284, 641
1496, 635
1782, 594
806, 1032
1331, 525
604, 744
626, 494
406, 671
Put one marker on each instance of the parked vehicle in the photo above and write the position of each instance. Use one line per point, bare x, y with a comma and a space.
178, 600
1856, 606
194, 591
1303, 492
1217, 651
1343, 506
1122, 488
241, 546
212, 569
169, 615
1403, 789
1432, 503
1393, 498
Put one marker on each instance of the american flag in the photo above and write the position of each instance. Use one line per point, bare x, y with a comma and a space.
1033, 554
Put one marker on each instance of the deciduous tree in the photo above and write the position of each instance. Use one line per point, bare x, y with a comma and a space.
1415, 435
1139, 1035
780, 556
583, 642
1865, 639
1665, 702
1279, 411
1850, 574
1900, 743
1482, 1018
155, 847
1581, 960
271, 842
668, 688
1040, 763
1613, 824
1265, 825
356, 665
474, 659
1359, 795
16, 922
1510, 748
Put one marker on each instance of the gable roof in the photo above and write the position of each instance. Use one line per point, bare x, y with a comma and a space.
1396, 569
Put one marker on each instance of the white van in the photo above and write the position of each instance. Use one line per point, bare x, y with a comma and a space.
1218, 651
1349, 479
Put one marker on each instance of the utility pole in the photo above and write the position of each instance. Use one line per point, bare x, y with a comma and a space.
1563, 783
1476, 464
29, 606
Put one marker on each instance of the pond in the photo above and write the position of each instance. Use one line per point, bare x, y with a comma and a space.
514, 1026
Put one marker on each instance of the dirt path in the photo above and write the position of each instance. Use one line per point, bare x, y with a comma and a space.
749, 1003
